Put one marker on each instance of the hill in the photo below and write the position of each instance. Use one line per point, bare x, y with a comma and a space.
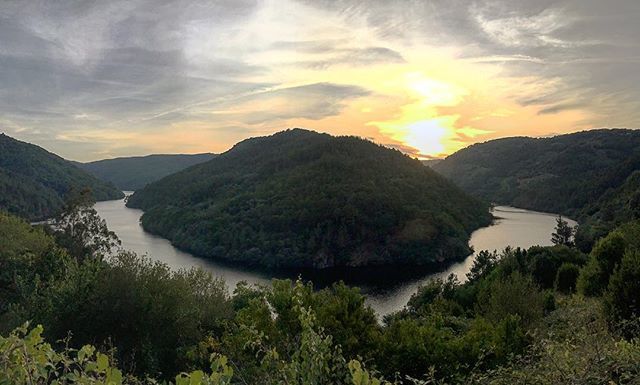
133, 173
431, 162
589, 175
34, 182
303, 199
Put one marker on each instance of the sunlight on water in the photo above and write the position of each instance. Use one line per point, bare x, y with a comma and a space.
515, 227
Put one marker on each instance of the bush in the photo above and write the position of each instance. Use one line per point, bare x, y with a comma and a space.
591, 279
577, 349
26, 359
622, 298
149, 313
607, 253
549, 302
512, 295
566, 278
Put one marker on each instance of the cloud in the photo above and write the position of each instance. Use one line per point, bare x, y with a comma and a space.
559, 108
591, 45
324, 54
357, 57
311, 101
74, 69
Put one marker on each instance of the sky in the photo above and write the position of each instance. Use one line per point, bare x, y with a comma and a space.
91, 80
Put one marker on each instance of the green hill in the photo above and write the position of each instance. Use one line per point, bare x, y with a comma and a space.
304, 199
133, 173
35, 182
589, 175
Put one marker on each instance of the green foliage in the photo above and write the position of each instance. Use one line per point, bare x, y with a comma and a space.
115, 304
303, 199
133, 173
549, 301
352, 324
603, 259
29, 260
362, 377
316, 361
622, 297
543, 263
34, 183
80, 230
591, 279
608, 251
575, 348
566, 278
512, 295
590, 175
156, 322
431, 292
563, 233
25, 359
484, 262
270, 322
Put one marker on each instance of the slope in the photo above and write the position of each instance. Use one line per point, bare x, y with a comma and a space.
303, 199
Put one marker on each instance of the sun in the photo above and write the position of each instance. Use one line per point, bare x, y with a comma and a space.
428, 136
433, 92
419, 124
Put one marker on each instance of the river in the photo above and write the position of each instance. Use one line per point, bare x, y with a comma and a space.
386, 290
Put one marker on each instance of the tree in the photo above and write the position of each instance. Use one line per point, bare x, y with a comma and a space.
622, 297
515, 294
566, 278
81, 231
603, 259
563, 234
483, 264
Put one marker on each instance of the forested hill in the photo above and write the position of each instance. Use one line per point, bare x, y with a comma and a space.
133, 173
34, 182
303, 199
590, 175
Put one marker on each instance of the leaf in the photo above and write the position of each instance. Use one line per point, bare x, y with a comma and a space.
196, 377
103, 362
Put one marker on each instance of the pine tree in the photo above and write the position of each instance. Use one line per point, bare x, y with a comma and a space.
563, 233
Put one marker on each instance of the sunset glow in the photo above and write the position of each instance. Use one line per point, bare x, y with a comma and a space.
211, 75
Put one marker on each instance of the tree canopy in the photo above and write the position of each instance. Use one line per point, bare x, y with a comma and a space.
35, 183
133, 173
304, 199
590, 176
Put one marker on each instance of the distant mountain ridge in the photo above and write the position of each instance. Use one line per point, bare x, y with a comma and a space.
133, 173
590, 175
303, 199
34, 183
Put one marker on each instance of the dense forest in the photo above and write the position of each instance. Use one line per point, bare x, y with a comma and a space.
133, 173
591, 176
35, 183
303, 199
546, 315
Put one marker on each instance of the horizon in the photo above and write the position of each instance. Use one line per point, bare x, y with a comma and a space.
363, 138
131, 78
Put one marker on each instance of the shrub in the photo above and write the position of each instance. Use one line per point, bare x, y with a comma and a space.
590, 281
594, 277
512, 295
566, 278
622, 298
166, 312
609, 250
549, 302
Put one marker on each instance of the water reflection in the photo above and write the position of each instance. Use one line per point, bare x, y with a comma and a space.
387, 289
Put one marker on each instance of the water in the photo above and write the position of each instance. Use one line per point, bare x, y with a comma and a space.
386, 289
514, 227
